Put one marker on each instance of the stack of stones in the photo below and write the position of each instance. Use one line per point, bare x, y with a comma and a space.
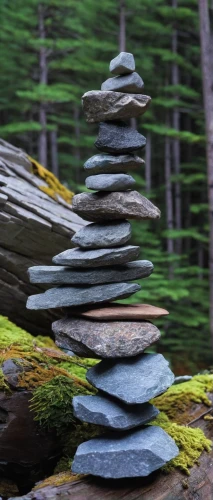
98, 271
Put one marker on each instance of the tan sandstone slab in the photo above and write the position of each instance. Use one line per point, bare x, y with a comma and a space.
123, 312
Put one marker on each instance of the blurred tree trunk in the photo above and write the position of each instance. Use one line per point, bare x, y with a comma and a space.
77, 151
176, 142
148, 166
169, 201
54, 152
43, 76
207, 66
122, 25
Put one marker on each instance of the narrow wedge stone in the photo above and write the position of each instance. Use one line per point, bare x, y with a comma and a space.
110, 182
123, 312
109, 164
111, 234
118, 137
101, 257
66, 296
132, 83
99, 105
109, 412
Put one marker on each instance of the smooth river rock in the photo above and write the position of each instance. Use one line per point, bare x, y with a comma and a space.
62, 275
76, 257
99, 105
111, 234
132, 83
135, 453
124, 311
109, 164
111, 339
110, 206
109, 412
122, 64
134, 380
110, 182
67, 296
118, 137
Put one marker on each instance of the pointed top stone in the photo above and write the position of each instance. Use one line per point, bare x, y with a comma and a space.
123, 64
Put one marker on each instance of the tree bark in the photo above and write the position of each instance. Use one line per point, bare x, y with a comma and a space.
43, 79
176, 142
77, 151
169, 200
206, 63
122, 26
54, 152
148, 166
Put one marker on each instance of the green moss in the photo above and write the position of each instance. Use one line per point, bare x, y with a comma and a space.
3, 384
10, 334
177, 400
190, 441
57, 479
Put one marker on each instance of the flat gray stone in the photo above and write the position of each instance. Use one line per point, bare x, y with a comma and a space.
104, 339
134, 453
110, 234
77, 257
107, 411
114, 206
132, 83
109, 164
122, 64
110, 182
134, 380
118, 137
100, 105
67, 296
62, 275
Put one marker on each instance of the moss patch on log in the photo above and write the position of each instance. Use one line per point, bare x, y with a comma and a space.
54, 187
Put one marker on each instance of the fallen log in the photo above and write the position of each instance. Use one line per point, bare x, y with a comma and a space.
36, 223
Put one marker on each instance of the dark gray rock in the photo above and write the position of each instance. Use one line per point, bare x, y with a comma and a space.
132, 83
123, 64
182, 378
118, 137
96, 258
104, 339
110, 182
134, 453
100, 105
62, 275
67, 296
107, 411
113, 206
111, 234
109, 164
134, 380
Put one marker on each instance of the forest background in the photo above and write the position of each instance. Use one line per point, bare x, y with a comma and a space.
51, 53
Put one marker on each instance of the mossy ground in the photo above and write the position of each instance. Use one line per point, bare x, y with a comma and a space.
54, 186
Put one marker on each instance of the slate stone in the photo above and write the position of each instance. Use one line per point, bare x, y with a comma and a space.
134, 380
62, 275
123, 64
111, 339
114, 206
109, 164
100, 105
132, 83
110, 182
67, 296
118, 137
110, 234
135, 453
77, 257
109, 412
123, 311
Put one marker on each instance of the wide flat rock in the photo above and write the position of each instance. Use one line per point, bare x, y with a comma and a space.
66, 296
124, 311
122, 64
109, 412
132, 83
99, 105
111, 206
63, 275
112, 339
134, 380
110, 182
118, 137
111, 164
110, 234
78, 257
135, 453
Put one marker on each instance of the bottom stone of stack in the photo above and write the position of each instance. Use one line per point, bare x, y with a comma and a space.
106, 411
130, 454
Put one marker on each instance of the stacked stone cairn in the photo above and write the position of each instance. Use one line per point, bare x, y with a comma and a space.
98, 271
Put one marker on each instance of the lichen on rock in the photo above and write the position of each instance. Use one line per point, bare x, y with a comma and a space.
54, 187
